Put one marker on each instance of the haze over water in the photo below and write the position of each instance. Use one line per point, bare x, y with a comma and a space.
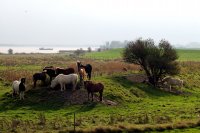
35, 49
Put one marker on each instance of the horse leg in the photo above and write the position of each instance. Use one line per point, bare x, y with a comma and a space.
20, 95
89, 76
61, 87
73, 86
43, 81
92, 95
13, 93
64, 86
34, 83
100, 96
23, 95
88, 96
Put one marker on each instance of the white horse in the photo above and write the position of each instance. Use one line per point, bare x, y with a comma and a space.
15, 87
172, 82
18, 87
65, 79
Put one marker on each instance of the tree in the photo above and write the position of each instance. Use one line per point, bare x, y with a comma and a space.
89, 49
79, 52
156, 61
10, 51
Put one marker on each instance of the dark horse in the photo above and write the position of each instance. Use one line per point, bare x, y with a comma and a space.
64, 71
87, 67
94, 87
50, 71
39, 76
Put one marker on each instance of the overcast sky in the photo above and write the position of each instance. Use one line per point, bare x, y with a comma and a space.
93, 22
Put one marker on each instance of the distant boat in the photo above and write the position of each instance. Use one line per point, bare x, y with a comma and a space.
45, 48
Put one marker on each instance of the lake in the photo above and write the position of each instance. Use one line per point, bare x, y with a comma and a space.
36, 49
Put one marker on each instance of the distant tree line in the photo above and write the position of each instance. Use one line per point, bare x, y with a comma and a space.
113, 44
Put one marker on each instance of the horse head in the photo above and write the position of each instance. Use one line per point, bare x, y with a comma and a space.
23, 80
53, 83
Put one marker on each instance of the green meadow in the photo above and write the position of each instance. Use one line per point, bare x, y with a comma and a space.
184, 54
130, 107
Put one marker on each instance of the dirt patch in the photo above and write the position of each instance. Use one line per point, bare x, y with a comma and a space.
67, 97
137, 78
81, 96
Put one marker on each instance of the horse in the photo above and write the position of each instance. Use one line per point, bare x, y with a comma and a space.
19, 87
82, 74
39, 76
94, 87
64, 71
50, 71
63, 80
87, 67
172, 81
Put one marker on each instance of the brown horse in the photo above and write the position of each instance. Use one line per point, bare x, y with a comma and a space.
87, 67
82, 74
39, 76
94, 87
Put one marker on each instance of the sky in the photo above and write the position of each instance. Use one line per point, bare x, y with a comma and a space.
93, 22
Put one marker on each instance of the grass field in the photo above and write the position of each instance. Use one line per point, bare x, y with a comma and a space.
184, 54
140, 107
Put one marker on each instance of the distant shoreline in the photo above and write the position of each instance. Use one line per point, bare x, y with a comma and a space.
46, 49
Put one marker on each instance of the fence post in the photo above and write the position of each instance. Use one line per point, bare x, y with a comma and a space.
74, 122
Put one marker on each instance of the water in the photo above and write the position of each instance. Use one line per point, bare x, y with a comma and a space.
35, 49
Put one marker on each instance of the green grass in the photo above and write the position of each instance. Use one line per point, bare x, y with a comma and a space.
152, 106
184, 54
139, 106
188, 55
108, 54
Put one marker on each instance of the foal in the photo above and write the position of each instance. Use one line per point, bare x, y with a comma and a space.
94, 87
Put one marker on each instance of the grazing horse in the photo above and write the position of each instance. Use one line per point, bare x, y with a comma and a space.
50, 71
172, 81
19, 87
88, 69
94, 87
39, 76
65, 79
64, 71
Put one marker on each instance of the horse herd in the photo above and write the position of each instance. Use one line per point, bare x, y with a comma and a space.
62, 77
65, 76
